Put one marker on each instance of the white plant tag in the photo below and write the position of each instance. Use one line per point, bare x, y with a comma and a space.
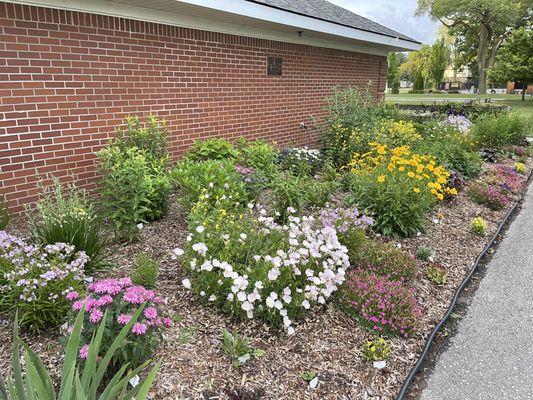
380, 364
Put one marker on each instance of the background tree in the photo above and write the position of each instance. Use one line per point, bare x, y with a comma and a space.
514, 61
439, 58
480, 27
393, 72
416, 67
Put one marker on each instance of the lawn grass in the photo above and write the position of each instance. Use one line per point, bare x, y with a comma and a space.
522, 108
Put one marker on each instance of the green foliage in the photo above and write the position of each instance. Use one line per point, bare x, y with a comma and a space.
260, 156
239, 348
212, 149
383, 259
439, 58
319, 193
424, 253
397, 209
88, 381
393, 72
436, 275
376, 350
288, 191
66, 215
145, 271
352, 114
479, 226
4, 214
194, 177
498, 131
307, 376
416, 67
151, 137
300, 160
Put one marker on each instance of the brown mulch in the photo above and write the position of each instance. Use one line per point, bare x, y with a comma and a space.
327, 341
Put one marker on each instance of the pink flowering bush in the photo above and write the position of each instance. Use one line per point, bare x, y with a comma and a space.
506, 179
489, 196
118, 300
35, 279
384, 306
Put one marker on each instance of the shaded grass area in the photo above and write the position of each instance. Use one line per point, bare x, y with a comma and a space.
522, 108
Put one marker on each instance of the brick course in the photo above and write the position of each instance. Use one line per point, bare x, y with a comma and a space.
67, 80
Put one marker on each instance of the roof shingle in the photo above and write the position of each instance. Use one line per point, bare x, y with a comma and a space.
326, 11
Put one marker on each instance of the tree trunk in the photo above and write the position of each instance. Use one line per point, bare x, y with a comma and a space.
524, 92
482, 55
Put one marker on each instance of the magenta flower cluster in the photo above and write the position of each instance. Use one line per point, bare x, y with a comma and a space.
121, 299
387, 307
506, 179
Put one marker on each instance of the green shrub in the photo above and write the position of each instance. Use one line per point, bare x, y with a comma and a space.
34, 280
88, 381
212, 149
352, 115
68, 216
289, 192
4, 214
320, 192
239, 348
145, 271
260, 156
151, 137
498, 131
376, 350
134, 189
300, 161
384, 259
193, 178
479, 226
436, 275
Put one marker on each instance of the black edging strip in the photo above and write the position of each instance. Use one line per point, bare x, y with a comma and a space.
409, 380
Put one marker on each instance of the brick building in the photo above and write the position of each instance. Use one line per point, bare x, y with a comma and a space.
70, 71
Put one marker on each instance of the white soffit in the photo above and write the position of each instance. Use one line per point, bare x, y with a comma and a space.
240, 18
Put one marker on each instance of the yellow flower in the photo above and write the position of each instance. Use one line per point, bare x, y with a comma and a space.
440, 196
416, 190
381, 178
411, 174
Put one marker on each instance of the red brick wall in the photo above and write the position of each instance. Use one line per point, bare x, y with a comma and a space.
67, 79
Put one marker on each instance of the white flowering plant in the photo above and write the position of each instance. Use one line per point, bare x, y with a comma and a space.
34, 280
251, 267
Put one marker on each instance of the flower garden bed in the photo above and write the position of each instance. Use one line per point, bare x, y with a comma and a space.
311, 345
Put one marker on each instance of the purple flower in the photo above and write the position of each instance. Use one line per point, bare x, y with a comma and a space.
167, 322
96, 315
84, 351
139, 328
123, 319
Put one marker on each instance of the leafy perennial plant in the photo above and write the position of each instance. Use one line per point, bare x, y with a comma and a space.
252, 267
34, 280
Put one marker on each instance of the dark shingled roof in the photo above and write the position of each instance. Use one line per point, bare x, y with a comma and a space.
326, 11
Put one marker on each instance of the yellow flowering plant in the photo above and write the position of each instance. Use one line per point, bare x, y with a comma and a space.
397, 133
398, 186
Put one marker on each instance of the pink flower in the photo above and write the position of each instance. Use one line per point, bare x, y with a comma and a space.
78, 305
96, 315
123, 319
84, 351
138, 295
70, 329
154, 322
72, 295
104, 300
150, 312
167, 322
139, 329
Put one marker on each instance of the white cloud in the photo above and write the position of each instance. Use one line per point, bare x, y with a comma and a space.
397, 15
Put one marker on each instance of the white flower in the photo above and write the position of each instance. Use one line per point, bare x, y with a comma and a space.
187, 283
290, 331
212, 297
225, 236
140, 226
247, 306
200, 248
177, 253
243, 236
306, 305
273, 274
257, 258
241, 296
200, 229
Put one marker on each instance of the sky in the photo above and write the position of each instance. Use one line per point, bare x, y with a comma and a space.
395, 14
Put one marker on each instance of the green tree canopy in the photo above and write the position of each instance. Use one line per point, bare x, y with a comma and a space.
514, 61
393, 71
479, 26
439, 59
416, 67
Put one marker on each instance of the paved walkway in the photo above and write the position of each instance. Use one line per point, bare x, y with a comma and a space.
491, 356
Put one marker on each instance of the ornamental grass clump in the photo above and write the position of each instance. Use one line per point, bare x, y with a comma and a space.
383, 306
118, 300
251, 267
398, 187
66, 215
35, 279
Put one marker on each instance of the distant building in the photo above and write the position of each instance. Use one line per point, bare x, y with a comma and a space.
457, 79
517, 87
